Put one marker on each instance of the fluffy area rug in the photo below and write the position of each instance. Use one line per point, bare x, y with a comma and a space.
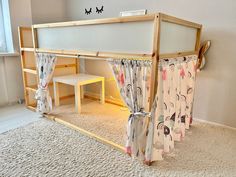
46, 148
106, 120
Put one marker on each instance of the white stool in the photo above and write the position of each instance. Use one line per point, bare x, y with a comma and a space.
78, 81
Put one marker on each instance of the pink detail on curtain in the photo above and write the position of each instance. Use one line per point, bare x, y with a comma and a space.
133, 79
128, 150
149, 137
121, 79
173, 109
164, 74
182, 73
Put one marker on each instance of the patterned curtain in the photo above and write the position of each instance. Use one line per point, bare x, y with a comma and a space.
133, 79
172, 109
45, 65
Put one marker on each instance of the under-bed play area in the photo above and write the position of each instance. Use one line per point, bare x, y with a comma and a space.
127, 82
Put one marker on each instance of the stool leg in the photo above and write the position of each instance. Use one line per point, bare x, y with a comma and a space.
102, 92
77, 99
56, 93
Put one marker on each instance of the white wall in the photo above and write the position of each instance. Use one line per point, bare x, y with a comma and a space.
215, 97
45, 11
23, 13
3, 88
11, 77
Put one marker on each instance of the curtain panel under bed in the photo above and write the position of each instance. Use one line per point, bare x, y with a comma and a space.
133, 79
150, 135
45, 66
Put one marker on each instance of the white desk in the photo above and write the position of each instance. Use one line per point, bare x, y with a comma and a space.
78, 81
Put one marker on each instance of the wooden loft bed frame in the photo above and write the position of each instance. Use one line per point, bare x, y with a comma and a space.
155, 55
28, 66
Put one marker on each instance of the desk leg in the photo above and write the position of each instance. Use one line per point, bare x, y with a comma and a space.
77, 99
82, 91
102, 92
56, 93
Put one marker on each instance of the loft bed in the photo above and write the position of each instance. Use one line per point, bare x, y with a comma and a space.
146, 37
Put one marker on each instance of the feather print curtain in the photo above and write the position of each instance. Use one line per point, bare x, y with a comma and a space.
172, 109
45, 65
133, 79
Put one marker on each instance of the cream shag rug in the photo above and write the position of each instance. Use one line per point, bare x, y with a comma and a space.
106, 120
46, 148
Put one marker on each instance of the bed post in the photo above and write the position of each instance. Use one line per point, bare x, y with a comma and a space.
35, 45
155, 59
198, 44
21, 41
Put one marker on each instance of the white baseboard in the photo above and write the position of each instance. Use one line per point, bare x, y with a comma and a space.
108, 99
214, 123
8, 104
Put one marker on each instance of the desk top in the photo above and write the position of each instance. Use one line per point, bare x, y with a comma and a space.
78, 79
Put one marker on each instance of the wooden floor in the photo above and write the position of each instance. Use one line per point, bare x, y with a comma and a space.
15, 116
